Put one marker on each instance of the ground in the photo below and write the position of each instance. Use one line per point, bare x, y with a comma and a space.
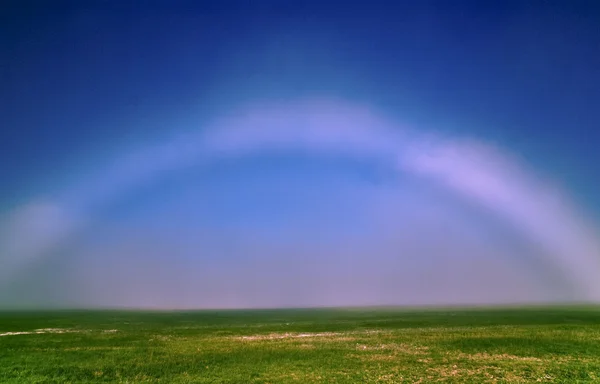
354, 345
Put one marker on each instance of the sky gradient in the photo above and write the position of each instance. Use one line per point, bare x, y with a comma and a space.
204, 155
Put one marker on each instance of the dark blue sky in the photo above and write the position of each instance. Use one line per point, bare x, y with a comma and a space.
94, 96
81, 78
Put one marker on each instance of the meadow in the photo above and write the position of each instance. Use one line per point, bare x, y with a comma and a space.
352, 345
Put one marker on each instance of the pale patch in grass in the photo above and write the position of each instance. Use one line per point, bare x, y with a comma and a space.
456, 371
341, 336
275, 336
396, 347
389, 352
41, 331
495, 357
160, 338
52, 330
492, 374
307, 346
508, 357
388, 378
112, 348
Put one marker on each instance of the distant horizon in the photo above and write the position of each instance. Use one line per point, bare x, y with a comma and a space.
415, 307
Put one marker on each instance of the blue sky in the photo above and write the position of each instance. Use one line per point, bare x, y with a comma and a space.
279, 136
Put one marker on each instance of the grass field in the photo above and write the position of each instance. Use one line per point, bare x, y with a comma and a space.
367, 345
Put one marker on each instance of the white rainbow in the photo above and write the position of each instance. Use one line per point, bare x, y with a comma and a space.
481, 172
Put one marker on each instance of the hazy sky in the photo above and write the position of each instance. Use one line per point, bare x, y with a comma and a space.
219, 154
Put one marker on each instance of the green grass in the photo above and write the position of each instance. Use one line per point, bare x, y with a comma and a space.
367, 345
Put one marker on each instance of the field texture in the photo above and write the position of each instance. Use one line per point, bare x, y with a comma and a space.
553, 345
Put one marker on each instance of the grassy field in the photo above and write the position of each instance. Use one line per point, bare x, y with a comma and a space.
367, 345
